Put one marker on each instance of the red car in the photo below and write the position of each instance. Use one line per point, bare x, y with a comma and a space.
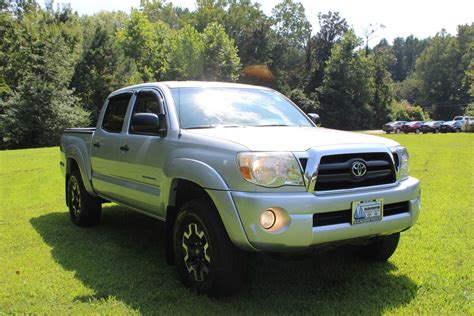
412, 127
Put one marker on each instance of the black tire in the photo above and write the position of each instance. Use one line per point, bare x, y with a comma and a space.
84, 209
381, 249
217, 267
388, 132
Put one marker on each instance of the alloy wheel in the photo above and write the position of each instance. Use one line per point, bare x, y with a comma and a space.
196, 251
75, 199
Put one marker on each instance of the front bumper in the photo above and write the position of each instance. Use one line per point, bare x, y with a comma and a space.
297, 210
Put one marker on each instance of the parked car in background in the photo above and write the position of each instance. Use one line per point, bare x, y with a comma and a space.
451, 126
412, 127
431, 127
463, 118
393, 127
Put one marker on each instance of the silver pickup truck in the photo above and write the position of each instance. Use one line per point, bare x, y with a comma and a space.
234, 169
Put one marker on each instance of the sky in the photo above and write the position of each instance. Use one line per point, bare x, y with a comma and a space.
422, 18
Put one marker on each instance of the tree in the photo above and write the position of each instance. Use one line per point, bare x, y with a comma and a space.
383, 95
221, 61
102, 69
406, 52
187, 55
147, 44
348, 87
291, 23
332, 28
160, 10
442, 71
41, 105
306, 104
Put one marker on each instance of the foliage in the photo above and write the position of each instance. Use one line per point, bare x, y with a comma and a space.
291, 23
383, 94
221, 61
404, 111
308, 105
469, 110
40, 104
442, 72
406, 51
147, 44
103, 67
226, 40
187, 55
348, 87
332, 28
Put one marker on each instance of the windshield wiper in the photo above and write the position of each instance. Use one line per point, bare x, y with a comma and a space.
270, 125
211, 126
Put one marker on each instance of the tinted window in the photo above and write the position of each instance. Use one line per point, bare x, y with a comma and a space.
146, 102
210, 107
115, 113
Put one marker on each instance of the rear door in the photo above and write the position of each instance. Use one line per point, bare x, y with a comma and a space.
106, 151
144, 159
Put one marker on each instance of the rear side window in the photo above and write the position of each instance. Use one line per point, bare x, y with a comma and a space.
115, 113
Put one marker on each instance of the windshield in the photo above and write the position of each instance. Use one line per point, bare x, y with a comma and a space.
234, 107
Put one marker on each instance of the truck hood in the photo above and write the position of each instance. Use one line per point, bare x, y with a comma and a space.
290, 138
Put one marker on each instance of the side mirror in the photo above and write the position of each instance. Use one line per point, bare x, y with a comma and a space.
147, 123
315, 118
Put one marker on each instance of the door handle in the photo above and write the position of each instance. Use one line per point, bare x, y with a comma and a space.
124, 148
96, 145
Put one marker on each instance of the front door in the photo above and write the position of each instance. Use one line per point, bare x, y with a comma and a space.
144, 159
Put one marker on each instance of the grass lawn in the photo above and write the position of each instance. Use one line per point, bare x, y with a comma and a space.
49, 266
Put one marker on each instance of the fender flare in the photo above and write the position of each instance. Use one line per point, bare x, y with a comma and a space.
215, 186
73, 152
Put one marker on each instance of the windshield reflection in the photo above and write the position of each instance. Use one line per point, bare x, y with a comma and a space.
235, 107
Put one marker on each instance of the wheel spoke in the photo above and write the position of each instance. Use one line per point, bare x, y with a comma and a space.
196, 251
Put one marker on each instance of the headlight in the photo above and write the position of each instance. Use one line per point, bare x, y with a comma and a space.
403, 156
270, 169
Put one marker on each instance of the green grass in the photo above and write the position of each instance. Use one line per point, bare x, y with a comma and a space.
47, 265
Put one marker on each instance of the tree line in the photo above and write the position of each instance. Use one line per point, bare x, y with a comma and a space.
57, 67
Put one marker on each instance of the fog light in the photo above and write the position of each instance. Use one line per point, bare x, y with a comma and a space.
267, 219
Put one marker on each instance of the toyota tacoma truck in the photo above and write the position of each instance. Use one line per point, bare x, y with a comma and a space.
233, 169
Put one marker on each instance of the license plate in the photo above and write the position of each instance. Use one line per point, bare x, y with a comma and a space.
367, 211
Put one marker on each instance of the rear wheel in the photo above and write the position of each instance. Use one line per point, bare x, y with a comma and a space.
381, 249
206, 260
84, 209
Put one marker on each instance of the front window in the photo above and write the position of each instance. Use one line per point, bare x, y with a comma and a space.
235, 107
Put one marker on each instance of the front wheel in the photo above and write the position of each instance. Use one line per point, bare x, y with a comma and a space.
381, 249
84, 209
206, 260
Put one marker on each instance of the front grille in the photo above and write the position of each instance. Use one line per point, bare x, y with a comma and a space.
341, 217
334, 172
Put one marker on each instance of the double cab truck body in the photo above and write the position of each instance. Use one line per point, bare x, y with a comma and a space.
234, 169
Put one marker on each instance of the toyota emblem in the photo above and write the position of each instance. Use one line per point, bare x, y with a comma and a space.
358, 168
